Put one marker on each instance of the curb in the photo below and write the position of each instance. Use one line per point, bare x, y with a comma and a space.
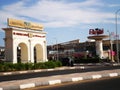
52, 69
59, 81
39, 70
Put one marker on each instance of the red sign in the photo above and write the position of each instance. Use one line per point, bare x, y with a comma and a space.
112, 53
96, 31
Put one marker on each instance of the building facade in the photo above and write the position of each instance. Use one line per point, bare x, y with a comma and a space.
82, 49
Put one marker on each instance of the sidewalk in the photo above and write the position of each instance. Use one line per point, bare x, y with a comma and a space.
51, 80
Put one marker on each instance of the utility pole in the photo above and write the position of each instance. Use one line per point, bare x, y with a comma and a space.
117, 44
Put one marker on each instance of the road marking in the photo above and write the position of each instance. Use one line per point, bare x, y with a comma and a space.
82, 67
77, 79
50, 69
37, 70
96, 76
60, 69
23, 72
72, 67
113, 74
52, 82
1, 88
8, 73
29, 85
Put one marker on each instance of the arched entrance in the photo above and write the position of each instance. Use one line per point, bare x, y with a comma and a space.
38, 53
22, 53
25, 42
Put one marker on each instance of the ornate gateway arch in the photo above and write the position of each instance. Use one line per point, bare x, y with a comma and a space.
25, 42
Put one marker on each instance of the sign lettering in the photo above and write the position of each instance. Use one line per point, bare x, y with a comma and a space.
96, 31
24, 24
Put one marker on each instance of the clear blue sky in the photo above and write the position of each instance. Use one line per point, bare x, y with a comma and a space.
63, 20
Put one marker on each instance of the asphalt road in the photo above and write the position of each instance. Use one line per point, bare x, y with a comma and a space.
101, 84
58, 72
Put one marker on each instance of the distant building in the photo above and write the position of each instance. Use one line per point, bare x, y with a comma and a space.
75, 48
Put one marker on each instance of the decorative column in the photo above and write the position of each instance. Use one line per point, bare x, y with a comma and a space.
45, 52
30, 52
9, 56
99, 48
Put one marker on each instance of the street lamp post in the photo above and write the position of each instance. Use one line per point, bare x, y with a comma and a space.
57, 57
117, 47
111, 45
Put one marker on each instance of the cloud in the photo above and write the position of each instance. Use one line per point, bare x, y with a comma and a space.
53, 13
114, 5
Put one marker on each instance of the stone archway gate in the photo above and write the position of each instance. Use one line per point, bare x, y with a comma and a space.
27, 36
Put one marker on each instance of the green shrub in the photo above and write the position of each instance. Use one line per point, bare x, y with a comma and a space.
1, 68
39, 66
29, 66
36, 66
19, 66
8, 67
50, 64
58, 64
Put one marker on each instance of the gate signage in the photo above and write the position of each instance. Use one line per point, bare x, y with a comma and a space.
24, 24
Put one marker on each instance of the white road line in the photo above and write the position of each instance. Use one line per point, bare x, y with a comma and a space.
77, 79
1, 88
23, 72
8, 73
113, 74
72, 67
96, 76
37, 70
50, 69
82, 67
29, 85
52, 82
